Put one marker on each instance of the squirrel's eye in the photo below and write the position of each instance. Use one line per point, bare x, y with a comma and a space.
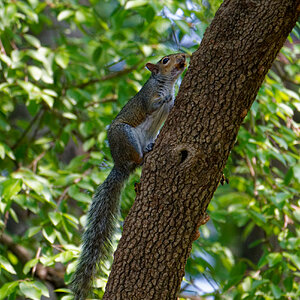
165, 60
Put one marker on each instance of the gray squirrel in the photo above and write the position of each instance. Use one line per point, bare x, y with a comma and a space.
131, 134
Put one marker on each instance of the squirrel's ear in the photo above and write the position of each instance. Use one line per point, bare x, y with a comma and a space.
152, 68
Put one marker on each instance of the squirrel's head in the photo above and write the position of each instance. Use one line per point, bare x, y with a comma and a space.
170, 66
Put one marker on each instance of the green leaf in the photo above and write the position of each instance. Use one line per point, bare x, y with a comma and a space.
296, 214
294, 258
40, 286
62, 59
33, 184
55, 217
288, 283
13, 215
259, 218
30, 291
49, 234
35, 72
33, 230
9, 152
236, 274
46, 77
77, 195
276, 291
69, 115
219, 216
135, 3
61, 290
87, 145
32, 40
8, 289
97, 54
50, 92
48, 99
2, 151
64, 257
5, 264
11, 187
71, 218
86, 185
296, 170
6, 59
183, 26
280, 141
28, 266
65, 14
27, 10
274, 258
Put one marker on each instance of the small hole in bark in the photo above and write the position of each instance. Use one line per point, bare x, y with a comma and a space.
184, 155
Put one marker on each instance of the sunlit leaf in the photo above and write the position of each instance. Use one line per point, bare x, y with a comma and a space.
65, 14
11, 187
5, 264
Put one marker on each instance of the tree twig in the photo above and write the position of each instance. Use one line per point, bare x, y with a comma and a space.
37, 256
27, 129
107, 77
53, 275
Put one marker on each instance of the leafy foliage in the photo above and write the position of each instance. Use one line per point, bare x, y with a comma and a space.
66, 70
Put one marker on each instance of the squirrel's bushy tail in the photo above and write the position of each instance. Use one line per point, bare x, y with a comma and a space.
96, 240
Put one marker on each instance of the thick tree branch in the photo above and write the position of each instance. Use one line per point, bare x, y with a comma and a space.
182, 172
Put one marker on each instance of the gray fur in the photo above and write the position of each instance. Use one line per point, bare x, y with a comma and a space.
100, 226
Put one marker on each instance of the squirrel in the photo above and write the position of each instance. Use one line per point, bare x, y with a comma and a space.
131, 135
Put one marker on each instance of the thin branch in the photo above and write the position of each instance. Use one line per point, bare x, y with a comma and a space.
27, 129
107, 77
210, 282
38, 127
37, 256
103, 100
34, 163
16, 249
54, 275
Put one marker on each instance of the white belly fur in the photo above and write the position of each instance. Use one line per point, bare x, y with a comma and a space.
148, 130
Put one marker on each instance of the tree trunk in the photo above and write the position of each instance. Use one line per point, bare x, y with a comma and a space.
182, 172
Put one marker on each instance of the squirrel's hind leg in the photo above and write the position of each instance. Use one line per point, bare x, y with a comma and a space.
125, 146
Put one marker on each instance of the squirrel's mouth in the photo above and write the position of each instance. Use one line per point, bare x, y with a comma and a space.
182, 64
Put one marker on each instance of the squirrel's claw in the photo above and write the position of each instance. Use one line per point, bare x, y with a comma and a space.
149, 148
137, 187
203, 220
224, 179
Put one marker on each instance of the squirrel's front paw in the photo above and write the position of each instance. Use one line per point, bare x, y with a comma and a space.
224, 179
168, 98
203, 220
137, 187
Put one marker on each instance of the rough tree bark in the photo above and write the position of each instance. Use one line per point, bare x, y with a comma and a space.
182, 172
